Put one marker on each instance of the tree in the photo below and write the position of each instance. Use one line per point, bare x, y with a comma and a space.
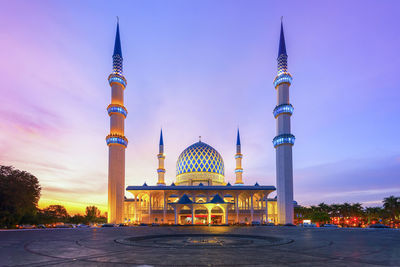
54, 213
19, 196
392, 206
320, 217
373, 214
92, 213
77, 219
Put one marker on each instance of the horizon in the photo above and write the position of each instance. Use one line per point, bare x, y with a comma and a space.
202, 69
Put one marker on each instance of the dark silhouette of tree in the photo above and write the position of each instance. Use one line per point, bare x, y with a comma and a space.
373, 214
19, 196
54, 214
92, 214
392, 206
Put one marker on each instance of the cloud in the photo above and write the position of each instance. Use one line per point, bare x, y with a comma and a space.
358, 180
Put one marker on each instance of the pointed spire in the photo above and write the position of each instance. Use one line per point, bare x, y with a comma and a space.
117, 46
238, 138
238, 146
282, 45
161, 150
161, 139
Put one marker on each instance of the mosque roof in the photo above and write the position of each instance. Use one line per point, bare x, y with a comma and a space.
217, 199
205, 187
184, 200
199, 158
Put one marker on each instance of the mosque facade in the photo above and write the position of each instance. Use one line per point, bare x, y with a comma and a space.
199, 194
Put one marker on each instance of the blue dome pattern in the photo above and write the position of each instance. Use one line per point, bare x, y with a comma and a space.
200, 157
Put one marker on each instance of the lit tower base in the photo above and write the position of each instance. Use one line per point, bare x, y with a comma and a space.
283, 140
116, 140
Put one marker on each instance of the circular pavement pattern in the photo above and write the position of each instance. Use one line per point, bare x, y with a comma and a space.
203, 241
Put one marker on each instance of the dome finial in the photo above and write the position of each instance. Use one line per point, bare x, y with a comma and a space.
199, 138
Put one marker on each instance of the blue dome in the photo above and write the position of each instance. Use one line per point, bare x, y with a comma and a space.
200, 157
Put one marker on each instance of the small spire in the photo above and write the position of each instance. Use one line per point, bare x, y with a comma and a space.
161, 146
161, 139
199, 138
117, 46
238, 146
282, 45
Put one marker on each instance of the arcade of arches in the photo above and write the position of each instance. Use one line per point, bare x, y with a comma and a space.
179, 205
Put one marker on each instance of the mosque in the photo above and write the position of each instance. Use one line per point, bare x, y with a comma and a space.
200, 194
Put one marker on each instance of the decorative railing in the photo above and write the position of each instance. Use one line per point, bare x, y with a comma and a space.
283, 109
283, 78
115, 139
117, 109
283, 139
116, 78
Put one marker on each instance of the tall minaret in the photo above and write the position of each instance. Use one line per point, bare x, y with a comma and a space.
238, 157
116, 140
161, 158
283, 140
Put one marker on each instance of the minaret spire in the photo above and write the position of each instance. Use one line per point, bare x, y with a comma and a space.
238, 146
161, 145
283, 140
282, 45
282, 56
238, 157
117, 45
117, 55
161, 158
116, 140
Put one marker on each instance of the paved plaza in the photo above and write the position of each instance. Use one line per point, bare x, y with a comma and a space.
200, 246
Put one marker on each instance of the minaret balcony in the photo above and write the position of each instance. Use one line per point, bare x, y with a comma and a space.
283, 78
160, 170
238, 156
283, 139
239, 170
117, 109
161, 156
283, 109
116, 78
116, 139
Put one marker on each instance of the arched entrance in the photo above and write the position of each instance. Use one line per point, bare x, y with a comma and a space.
217, 215
201, 215
185, 215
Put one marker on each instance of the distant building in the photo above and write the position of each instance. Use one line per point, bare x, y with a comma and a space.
199, 194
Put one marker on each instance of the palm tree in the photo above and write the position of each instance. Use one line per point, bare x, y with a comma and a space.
324, 207
392, 206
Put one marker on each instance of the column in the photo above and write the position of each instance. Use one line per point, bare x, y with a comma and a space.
226, 214
176, 214
266, 208
237, 208
165, 209
150, 208
192, 214
251, 209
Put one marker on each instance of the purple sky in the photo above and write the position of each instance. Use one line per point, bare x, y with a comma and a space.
202, 68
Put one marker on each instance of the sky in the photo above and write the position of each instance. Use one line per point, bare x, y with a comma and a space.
202, 68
